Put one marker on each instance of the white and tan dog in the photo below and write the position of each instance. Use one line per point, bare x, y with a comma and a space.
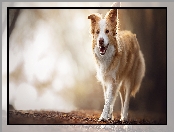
119, 62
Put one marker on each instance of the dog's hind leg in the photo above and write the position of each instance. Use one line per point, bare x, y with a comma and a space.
125, 98
122, 98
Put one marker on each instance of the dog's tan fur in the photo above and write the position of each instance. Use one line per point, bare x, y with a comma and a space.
124, 69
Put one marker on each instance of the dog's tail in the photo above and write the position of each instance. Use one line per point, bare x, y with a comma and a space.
139, 75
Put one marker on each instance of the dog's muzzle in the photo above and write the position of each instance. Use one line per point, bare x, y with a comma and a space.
102, 47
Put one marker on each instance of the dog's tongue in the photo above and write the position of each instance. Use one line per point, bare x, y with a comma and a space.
102, 50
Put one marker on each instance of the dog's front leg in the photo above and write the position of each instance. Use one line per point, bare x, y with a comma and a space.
109, 99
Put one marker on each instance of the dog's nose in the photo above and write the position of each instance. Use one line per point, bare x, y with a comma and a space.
101, 42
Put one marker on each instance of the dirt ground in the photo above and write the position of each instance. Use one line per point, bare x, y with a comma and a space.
76, 117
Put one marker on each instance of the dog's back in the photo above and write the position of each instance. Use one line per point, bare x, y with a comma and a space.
132, 66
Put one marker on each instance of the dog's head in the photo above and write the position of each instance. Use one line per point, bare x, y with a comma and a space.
103, 30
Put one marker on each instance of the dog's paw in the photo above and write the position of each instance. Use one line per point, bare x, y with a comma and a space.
123, 119
106, 118
110, 117
102, 119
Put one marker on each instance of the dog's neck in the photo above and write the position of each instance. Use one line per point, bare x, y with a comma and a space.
106, 59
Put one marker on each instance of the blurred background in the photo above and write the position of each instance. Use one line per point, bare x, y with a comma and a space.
51, 65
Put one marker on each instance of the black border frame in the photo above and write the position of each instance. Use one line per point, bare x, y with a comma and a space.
8, 8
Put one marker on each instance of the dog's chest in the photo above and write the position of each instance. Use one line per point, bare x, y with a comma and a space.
104, 61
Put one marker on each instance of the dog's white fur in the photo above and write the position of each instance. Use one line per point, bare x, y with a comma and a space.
121, 67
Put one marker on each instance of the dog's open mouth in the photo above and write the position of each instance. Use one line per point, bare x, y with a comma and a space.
103, 49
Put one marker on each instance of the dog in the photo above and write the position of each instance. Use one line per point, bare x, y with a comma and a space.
119, 61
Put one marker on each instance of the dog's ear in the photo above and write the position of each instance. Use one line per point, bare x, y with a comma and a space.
94, 19
112, 15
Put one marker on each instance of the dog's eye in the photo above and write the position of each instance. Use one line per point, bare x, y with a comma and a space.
97, 32
107, 31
